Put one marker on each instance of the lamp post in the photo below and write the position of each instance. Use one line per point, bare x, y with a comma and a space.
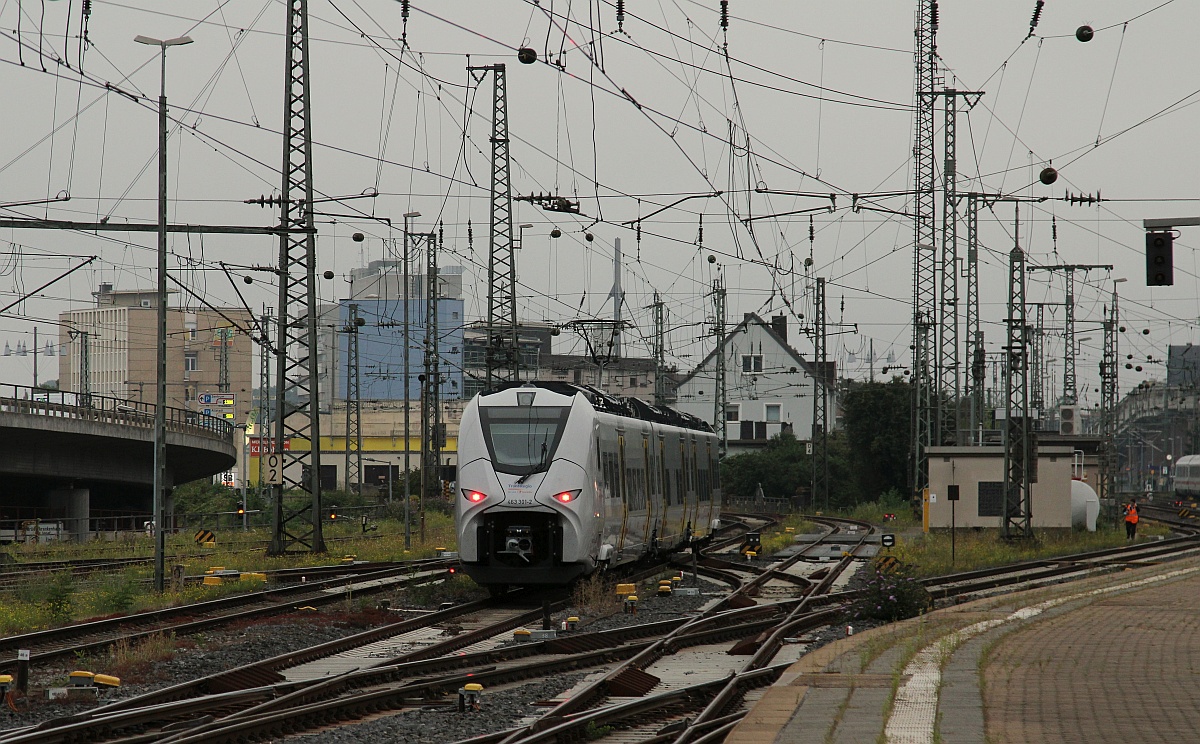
407, 525
407, 343
160, 409
245, 473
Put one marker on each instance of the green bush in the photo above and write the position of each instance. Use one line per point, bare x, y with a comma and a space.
890, 594
60, 598
117, 594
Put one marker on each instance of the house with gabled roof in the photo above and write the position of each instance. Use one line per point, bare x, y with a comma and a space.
769, 387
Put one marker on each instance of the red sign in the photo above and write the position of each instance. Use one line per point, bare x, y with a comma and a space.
258, 444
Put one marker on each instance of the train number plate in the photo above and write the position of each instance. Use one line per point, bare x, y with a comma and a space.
519, 494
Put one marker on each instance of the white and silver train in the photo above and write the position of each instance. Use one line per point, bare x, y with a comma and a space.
558, 480
1187, 476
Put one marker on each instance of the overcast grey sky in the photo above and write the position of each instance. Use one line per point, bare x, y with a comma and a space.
626, 123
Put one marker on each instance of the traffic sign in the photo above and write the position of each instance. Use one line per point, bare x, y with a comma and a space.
204, 399
888, 540
206, 411
272, 469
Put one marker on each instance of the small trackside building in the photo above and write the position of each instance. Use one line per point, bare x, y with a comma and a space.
979, 474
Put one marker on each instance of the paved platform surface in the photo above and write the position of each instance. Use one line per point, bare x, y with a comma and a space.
1114, 658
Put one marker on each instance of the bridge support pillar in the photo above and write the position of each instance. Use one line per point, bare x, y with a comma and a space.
76, 506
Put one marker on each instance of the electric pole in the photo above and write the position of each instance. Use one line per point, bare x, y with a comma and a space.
224, 337
353, 403
924, 377
431, 403
1069, 395
820, 426
264, 395
948, 363
660, 367
719, 395
503, 359
1109, 366
974, 332
296, 374
1017, 507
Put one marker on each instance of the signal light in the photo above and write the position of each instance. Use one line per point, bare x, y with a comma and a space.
475, 496
333, 516
1159, 259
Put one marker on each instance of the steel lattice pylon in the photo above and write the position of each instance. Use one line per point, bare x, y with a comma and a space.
1109, 367
719, 397
660, 352
1069, 395
1017, 520
353, 404
431, 450
974, 332
820, 427
296, 396
948, 350
262, 425
924, 376
503, 355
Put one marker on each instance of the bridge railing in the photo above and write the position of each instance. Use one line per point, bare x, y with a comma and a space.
90, 407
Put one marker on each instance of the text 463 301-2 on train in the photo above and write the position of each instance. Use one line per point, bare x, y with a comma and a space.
558, 480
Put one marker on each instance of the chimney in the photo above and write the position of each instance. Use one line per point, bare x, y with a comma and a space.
779, 325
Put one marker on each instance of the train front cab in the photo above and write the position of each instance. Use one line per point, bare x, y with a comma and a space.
521, 530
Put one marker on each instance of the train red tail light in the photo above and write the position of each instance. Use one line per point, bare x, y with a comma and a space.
566, 497
474, 496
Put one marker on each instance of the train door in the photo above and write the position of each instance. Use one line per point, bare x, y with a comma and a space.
649, 529
681, 485
709, 481
693, 487
623, 482
664, 490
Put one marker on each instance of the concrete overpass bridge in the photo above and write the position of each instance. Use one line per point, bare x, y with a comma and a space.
88, 460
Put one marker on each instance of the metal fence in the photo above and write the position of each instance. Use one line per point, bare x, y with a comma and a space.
87, 407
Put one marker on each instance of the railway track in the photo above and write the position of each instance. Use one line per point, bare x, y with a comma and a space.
683, 673
187, 619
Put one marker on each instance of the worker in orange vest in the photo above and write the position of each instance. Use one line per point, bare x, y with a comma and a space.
1131, 519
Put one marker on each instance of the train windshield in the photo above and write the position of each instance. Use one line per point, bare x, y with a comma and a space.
522, 439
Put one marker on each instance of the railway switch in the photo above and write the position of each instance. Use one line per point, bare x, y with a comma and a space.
624, 590
572, 623
631, 604
469, 696
80, 678
106, 680
6, 683
521, 635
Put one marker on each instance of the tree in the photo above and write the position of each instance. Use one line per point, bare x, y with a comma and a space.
781, 467
875, 416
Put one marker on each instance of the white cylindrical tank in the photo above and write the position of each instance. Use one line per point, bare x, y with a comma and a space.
1085, 505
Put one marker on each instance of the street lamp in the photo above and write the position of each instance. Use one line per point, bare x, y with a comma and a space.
407, 343
160, 409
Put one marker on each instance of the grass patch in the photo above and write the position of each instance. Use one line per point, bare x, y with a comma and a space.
596, 596
929, 554
61, 598
132, 661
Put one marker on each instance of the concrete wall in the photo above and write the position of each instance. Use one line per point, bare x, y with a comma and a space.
969, 466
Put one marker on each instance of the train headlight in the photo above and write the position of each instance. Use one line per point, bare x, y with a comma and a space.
474, 496
566, 497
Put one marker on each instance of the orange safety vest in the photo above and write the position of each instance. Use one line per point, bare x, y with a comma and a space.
1131, 514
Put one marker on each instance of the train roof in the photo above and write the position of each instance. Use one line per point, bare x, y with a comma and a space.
602, 401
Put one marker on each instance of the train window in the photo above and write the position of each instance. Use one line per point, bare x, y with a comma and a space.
522, 439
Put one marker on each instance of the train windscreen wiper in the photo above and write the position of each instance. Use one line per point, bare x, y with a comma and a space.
541, 467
